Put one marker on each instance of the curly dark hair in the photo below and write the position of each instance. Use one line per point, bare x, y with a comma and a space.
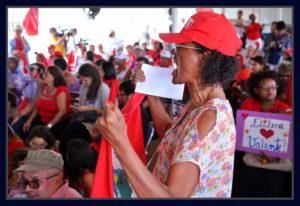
59, 80
109, 71
80, 156
255, 79
88, 70
218, 68
42, 132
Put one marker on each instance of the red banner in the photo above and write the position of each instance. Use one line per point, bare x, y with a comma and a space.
31, 22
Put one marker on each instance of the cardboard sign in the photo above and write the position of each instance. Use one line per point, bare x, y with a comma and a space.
269, 132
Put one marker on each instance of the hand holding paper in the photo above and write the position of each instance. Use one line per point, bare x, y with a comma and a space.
159, 83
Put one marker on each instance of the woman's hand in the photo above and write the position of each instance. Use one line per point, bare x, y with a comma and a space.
112, 125
138, 76
264, 158
26, 126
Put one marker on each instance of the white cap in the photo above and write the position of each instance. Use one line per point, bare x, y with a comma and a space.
150, 59
120, 56
165, 54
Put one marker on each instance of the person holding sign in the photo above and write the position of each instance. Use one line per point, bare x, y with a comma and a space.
196, 154
262, 175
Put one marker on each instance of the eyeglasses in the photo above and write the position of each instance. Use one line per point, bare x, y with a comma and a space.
175, 50
34, 184
39, 146
266, 87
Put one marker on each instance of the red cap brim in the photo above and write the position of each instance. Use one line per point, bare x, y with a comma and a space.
174, 38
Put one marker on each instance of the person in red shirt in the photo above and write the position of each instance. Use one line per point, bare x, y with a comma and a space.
254, 32
53, 106
262, 86
51, 50
155, 53
253, 179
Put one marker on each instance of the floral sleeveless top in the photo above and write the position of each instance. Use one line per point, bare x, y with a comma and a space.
214, 154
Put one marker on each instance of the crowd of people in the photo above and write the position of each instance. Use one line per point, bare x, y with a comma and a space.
56, 104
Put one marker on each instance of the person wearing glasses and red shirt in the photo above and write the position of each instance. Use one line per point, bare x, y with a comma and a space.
43, 177
196, 154
261, 175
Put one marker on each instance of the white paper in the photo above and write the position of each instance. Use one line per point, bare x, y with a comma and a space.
159, 83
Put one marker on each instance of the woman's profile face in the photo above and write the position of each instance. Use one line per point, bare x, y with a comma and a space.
48, 78
187, 61
256, 67
267, 89
86, 81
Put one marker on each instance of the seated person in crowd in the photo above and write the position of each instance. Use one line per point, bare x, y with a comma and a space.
31, 96
16, 81
40, 58
51, 51
80, 165
262, 175
53, 106
284, 71
110, 79
43, 177
41, 138
126, 92
257, 64
71, 80
165, 59
123, 71
98, 65
17, 159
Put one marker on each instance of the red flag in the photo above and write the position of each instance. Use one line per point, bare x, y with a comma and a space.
31, 22
71, 61
103, 179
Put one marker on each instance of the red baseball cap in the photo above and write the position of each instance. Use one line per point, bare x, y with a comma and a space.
209, 29
57, 53
51, 46
242, 75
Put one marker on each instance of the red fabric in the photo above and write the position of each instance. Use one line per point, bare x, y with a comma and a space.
66, 192
158, 63
97, 56
290, 92
103, 179
204, 28
253, 105
23, 104
95, 145
31, 22
114, 89
253, 31
131, 58
71, 60
47, 105
43, 58
20, 47
155, 54
242, 75
241, 58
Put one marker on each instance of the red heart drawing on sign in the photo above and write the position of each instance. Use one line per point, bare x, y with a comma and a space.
266, 133
244, 115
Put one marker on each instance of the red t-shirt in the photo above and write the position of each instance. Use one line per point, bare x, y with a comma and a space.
253, 31
47, 105
253, 105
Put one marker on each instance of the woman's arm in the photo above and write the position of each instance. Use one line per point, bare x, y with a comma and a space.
27, 124
61, 102
161, 119
88, 181
182, 179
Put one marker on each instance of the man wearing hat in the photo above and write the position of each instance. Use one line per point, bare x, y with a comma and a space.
43, 176
51, 50
20, 45
123, 71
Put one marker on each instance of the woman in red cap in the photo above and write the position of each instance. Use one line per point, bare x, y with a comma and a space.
196, 154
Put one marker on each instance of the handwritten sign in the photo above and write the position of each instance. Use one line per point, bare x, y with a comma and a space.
269, 132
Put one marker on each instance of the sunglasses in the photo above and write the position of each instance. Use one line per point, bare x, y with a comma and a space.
266, 87
34, 184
